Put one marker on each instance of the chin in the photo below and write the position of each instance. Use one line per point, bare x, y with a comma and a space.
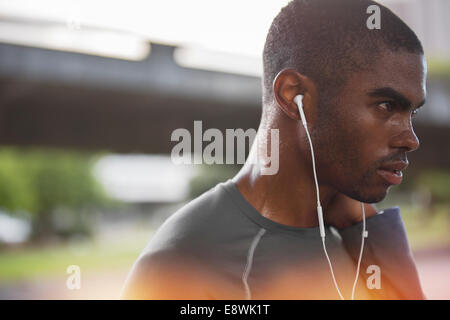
369, 189
367, 194
375, 198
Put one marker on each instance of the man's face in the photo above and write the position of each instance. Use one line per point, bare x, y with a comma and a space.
369, 127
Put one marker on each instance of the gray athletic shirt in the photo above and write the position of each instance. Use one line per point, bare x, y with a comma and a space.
218, 246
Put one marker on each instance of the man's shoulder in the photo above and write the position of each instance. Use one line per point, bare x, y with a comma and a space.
164, 274
176, 251
197, 224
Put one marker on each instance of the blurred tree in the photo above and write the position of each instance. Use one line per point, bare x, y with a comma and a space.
15, 185
210, 175
43, 182
439, 69
437, 183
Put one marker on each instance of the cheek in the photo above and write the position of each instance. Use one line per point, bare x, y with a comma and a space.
345, 148
340, 140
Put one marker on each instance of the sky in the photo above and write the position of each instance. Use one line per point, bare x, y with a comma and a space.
233, 26
213, 34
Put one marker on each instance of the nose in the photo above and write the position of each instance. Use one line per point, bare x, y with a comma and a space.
406, 139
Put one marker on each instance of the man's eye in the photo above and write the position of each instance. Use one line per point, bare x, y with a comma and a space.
387, 106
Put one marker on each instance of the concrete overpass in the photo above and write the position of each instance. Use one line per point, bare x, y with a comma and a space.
64, 99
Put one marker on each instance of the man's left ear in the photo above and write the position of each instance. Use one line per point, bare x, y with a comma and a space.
288, 84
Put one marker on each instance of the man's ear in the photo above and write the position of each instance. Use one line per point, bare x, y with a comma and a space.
287, 85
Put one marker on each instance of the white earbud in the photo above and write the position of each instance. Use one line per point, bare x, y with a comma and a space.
299, 101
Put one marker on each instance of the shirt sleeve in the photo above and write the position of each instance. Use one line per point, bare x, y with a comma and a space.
387, 250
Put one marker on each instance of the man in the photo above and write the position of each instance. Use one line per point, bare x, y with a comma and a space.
256, 236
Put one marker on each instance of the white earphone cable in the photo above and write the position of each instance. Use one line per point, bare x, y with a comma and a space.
364, 235
318, 205
331, 269
313, 163
320, 214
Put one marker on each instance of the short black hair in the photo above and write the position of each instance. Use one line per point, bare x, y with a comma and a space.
327, 40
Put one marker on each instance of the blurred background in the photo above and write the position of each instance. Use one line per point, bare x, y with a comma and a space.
90, 92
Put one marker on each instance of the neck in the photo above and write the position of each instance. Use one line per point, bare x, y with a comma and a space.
289, 196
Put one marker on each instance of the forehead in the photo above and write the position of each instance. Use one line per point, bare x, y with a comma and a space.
401, 71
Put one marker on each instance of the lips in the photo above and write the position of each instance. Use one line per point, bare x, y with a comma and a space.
392, 172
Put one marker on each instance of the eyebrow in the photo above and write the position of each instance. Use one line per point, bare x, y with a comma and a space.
388, 92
